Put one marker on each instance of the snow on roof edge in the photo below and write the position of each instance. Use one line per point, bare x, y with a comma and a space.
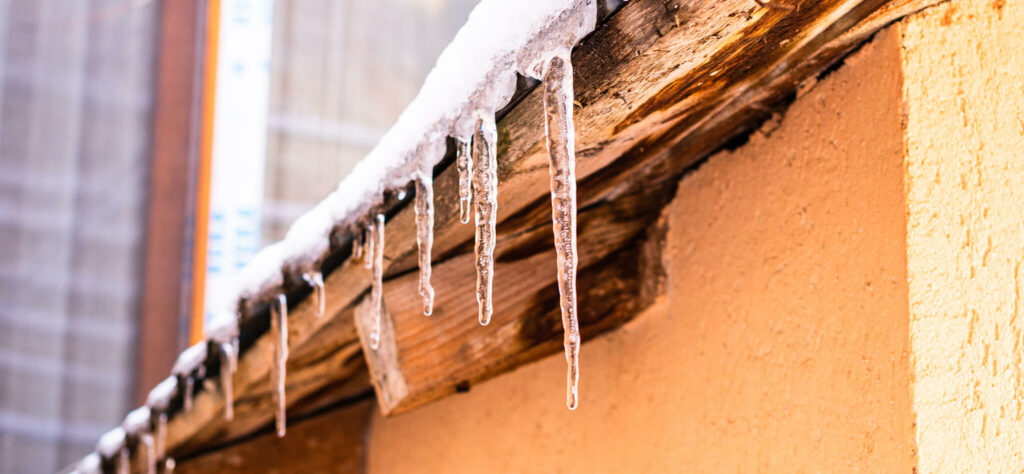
476, 73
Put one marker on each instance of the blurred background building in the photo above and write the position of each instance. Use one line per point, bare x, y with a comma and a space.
106, 163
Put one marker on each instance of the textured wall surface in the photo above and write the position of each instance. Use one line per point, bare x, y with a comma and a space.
781, 346
964, 92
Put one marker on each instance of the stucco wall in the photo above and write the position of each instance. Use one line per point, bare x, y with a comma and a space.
782, 344
964, 91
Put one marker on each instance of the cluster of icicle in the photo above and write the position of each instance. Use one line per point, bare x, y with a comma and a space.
542, 53
477, 164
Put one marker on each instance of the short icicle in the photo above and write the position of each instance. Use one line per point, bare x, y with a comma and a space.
228, 365
124, 461
368, 250
464, 162
147, 441
279, 329
377, 292
485, 195
357, 246
190, 390
424, 208
558, 120
316, 280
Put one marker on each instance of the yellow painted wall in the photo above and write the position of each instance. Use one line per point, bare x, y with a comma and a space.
964, 93
781, 346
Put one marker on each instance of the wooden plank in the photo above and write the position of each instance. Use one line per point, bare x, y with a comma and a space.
659, 85
331, 442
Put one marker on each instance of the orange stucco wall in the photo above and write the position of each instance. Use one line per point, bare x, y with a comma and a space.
782, 344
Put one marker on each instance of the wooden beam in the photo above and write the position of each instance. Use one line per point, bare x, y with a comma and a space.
330, 442
660, 84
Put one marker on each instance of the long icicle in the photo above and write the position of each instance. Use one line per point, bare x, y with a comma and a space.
558, 122
424, 207
228, 363
485, 195
279, 329
377, 234
464, 162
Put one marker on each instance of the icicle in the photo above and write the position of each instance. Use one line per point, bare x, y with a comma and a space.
279, 329
124, 461
169, 466
316, 280
357, 246
138, 424
464, 162
558, 102
424, 208
485, 194
228, 365
147, 441
191, 361
377, 234
368, 252
190, 389
161, 435
159, 401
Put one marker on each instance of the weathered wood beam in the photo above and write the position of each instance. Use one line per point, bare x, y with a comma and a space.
331, 442
660, 85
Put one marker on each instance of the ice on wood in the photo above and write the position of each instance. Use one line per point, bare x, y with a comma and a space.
159, 401
228, 364
368, 240
485, 196
357, 246
222, 332
377, 292
424, 210
138, 424
278, 366
464, 163
557, 93
316, 280
190, 364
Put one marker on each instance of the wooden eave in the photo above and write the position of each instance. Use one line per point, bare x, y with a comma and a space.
659, 85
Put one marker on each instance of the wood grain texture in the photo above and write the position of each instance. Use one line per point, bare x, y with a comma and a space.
659, 85
330, 442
